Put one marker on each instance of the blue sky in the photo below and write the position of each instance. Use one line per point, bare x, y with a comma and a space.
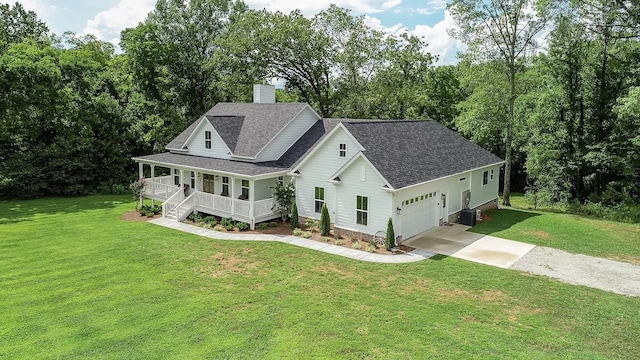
106, 18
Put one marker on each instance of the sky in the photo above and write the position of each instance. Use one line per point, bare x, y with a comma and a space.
106, 18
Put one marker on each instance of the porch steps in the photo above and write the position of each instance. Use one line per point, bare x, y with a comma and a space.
173, 214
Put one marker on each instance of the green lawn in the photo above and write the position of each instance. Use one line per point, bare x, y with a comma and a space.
573, 233
77, 282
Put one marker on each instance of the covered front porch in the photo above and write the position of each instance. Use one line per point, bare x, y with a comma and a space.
183, 190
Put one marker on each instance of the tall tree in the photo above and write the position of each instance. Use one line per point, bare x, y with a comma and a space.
17, 25
502, 30
323, 59
171, 58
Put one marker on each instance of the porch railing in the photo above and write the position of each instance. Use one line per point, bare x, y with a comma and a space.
172, 202
160, 188
186, 207
263, 207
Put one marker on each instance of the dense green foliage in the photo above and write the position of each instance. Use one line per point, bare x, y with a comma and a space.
78, 282
566, 119
325, 221
390, 239
295, 218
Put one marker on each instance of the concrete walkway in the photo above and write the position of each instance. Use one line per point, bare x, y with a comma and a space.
416, 255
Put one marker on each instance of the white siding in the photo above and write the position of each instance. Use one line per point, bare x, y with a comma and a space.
379, 200
317, 169
481, 194
264, 188
196, 144
288, 136
453, 187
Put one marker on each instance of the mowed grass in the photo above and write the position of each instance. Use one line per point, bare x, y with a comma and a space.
78, 282
572, 233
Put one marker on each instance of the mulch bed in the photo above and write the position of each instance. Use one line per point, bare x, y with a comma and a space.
135, 216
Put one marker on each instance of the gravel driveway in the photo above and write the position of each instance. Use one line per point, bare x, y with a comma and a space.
618, 277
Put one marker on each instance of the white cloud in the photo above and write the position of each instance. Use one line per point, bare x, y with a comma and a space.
108, 24
44, 10
310, 8
440, 42
391, 3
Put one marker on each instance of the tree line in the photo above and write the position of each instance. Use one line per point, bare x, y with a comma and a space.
566, 119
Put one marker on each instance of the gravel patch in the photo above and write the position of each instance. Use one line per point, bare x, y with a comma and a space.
614, 276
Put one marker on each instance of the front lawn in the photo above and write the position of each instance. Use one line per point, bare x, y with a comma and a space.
573, 233
78, 282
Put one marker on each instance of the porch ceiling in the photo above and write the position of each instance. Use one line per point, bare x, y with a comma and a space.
213, 164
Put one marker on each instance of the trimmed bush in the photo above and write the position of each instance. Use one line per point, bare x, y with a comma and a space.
273, 224
297, 232
356, 245
242, 226
210, 220
262, 226
325, 221
226, 222
390, 240
295, 222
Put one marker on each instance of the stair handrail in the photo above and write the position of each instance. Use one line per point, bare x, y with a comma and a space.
185, 207
172, 202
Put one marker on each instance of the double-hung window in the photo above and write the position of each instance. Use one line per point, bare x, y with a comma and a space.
319, 199
207, 139
245, 189
485, 178
225, 186
362, 210
343, 150
176, 177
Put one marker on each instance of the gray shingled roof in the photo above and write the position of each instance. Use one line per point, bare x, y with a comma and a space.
207, 163
411, 152
261, 123
179, 142
228, 127
291, 157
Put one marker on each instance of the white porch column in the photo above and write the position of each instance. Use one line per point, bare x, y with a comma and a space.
153, 188
182, 180
233, 194
140, 176
251, 203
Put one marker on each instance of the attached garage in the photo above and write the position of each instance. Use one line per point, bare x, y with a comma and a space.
419, 214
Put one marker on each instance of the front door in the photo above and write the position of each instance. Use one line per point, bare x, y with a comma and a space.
444, 211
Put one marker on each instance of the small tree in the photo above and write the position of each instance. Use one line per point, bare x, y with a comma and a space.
294, 216
325, 221
283, 195
390, 240
136, 188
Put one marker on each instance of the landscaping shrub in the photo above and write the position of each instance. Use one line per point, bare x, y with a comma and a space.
295, 221
297, 232
306, 235
325, 221
273, 224
148, 208
356, 245
242, 226
262, 226
229, 227
339, 242
310, 223
210, 220
390, 240
226, 222
371, 248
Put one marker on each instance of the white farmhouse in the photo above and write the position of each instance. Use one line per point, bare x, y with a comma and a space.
418, 173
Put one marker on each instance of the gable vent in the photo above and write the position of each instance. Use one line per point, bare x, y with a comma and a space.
264, 94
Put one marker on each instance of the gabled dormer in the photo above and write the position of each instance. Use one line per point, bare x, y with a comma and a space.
252, 132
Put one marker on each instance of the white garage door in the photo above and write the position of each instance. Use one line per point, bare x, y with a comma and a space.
419, 214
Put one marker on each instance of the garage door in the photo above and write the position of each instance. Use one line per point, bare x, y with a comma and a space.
419, 214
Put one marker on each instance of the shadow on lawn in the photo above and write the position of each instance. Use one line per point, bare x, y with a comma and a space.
13, 211
502, 219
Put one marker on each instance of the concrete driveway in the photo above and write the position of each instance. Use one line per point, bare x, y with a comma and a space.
456, 241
